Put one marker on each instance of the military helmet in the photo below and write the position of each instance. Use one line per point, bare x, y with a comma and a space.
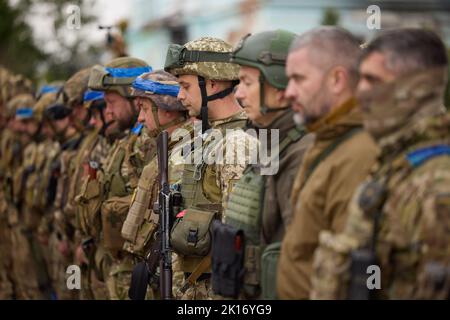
4, 74
117, 75
43, 103
21, 106
206, 57
160, 87
267, 51
13, 85
54, 87
94, 99
72, 92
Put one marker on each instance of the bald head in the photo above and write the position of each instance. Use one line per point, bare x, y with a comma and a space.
329, 47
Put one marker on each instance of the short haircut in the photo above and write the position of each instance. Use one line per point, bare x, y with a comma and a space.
331, 46
408, 50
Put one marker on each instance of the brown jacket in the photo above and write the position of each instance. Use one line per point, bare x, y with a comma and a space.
320, 204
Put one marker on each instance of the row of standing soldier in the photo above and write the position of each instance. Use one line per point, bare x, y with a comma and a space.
361, 179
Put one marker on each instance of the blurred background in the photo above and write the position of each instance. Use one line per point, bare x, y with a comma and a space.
39, 40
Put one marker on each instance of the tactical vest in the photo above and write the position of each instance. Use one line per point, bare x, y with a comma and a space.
202, 200
244, 212
141, 222
117, 192
77, 169
114, 184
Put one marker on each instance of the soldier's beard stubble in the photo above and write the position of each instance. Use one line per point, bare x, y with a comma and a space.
319, 105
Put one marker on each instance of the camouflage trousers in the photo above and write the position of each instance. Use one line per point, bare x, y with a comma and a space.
6, 283
30, 272
60, 258
118, 278
201, 290
91, 287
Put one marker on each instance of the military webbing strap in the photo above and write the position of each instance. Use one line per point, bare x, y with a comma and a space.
205, 56
292, 136
110, 81
204, 265
325, 153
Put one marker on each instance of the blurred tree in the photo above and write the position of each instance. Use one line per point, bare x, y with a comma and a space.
23, 53
330, 17
18, 50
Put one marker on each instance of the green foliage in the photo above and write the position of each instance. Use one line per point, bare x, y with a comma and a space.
18, 51
21, 53
330, 17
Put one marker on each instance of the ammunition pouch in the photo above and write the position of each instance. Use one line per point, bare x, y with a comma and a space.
191, 234
269, 263
227, 260
89, 201
252, 277
113, 212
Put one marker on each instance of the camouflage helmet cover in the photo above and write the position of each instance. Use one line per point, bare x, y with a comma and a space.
164, 101
98, 74
21, 101
74, 88
44, 101
225, 70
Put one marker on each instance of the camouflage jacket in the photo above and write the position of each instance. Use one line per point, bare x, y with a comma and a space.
413, 206
233, 146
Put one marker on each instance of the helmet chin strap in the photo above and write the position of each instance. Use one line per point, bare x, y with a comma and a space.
206, 99
160, 128
263, 107
135, 111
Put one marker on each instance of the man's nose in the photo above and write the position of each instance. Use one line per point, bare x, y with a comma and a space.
290, 93
239, 93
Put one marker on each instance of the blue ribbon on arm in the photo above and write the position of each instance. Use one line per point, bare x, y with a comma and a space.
92, 95
419, 156
156, 87
127, 72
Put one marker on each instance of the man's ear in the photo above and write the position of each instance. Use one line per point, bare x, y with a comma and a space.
212, 84
338, 80
281, 98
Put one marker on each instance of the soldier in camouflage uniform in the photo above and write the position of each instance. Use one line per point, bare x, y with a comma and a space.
31, 252
6, 285
23, 265
93, 151
206, 79
156, 94
399, 218
11, 148
107, 194
69, 118
39, 196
